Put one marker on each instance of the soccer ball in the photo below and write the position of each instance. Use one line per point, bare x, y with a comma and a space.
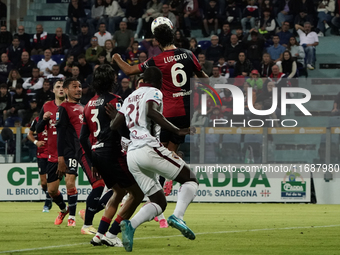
159, 21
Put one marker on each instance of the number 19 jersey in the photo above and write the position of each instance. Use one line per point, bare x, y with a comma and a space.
178, 66
143, 131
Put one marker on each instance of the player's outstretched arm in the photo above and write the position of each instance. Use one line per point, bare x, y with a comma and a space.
126, 68
157, 117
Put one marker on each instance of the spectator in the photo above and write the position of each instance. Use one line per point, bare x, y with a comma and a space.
336, 19
55, 75
198, 120
75, 48
60, 42
210, 18
24, 38
284, 34
14, 78
35, 82
250, 15
113, 15
133, 15
39, 41
93, 52
14, 51
325, 11
245, 87
297, 52
84, 68
275, 51
19, 104
255, 81
254, 47
123, 38
233, 13
286, 11
102, 59
29, 112
153, 10
132, 56
84, 38
304, 11
26, 65
180, 40
5, 102
75, 17
239, 34
44, 94
267, 4
97, 13
77, 75
102, 35
5, 67
232, 50
224, 36
223, 66
177, 7
87, 93
335, 111
3, 13
267, 24
243, 66
278, 77
266, 100
191, 12
5, 39
152, 46
194, 47
266, 65
168, 14
288, 65
215, 51
45, 65
216, 114
125, 89
308, 40
142, 57
109, 50
216, 78
206, 65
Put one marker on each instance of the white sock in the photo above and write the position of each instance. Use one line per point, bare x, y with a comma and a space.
86, 226
110, 235
146, 213
99, 235
161, 217
72, 217
186, 194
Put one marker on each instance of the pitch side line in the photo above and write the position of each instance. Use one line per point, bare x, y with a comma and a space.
158, 237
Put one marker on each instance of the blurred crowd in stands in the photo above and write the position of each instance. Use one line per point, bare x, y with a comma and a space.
260, 44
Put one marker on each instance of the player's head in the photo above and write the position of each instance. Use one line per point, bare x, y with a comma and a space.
104, 79
164, 35
73, 89
58, 90
153, 76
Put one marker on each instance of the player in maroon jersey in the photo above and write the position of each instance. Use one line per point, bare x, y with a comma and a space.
107, 156
47, 118
177, 66
40, 140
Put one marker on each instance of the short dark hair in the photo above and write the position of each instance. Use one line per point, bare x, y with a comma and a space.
3, 85
68, 81
153, 76
164, 35
81, 56
104, 79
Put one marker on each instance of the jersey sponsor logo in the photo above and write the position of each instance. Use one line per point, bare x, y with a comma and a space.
182, 94
118, 106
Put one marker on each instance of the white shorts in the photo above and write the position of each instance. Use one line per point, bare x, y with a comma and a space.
147, 163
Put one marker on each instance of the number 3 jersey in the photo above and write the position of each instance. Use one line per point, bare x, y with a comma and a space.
98, 123
143, 131
178, 67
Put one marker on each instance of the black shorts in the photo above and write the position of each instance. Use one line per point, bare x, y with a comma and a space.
51, 171
72, 165
113, 170
86, 165
42, 165
180, 122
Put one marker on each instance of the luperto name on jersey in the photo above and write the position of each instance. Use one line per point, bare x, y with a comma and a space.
175, 58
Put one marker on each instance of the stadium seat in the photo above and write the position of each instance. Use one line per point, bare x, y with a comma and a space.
231, 148
204, 44
36, 58
58, 58
141, 47
334, 121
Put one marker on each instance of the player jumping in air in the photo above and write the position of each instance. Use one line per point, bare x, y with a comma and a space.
107, 156
147, 157
70, 153
40, 140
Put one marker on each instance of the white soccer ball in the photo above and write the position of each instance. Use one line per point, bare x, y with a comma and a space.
159, 21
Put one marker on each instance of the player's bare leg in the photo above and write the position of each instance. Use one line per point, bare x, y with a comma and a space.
57, 198
72, 195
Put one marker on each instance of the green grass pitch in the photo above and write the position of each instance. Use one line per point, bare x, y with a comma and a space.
220, 229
